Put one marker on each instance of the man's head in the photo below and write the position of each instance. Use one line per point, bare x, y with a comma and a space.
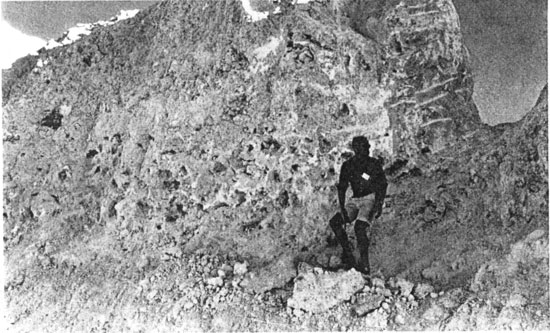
360, 145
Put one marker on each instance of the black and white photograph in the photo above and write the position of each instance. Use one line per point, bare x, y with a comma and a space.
274, 165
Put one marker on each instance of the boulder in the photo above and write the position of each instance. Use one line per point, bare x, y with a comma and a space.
316, 290
273, 275
404, 286
422, 290
371, 303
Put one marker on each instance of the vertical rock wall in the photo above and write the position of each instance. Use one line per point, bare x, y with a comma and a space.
428, 74
171, 131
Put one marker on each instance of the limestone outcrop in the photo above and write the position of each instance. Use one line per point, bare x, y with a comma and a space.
165, 130
168, 135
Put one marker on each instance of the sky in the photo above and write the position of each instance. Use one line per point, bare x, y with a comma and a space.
20, 44
26, 26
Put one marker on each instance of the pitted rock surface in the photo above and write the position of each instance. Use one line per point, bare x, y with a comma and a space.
134, 155
227, 137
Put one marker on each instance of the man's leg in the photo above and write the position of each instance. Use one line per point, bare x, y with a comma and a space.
337, 225
363, 245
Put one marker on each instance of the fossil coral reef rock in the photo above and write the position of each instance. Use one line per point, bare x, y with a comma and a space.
167, 135
167, 130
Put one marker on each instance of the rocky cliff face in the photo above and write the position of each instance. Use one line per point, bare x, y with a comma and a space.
169, 133
227, 134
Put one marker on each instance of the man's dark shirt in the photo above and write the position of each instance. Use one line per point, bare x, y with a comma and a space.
366, 176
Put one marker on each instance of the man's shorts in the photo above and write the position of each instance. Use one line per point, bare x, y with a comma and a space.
360, 208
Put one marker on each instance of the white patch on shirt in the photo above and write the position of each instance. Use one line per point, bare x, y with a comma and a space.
365, 176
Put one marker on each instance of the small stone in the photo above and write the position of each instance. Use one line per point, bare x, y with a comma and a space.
399, 319
516, 300
385, 306
240, 268
215, 281
221, 273
335, 261
377, 282
392, 283
188, 306
143, 262
298, 312
174, 251
411, 298
227, 269
405, 286
19, 279
433, 295
422, 290
152, 294
441, 293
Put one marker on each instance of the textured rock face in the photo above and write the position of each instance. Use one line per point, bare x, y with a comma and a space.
426, 67
428, 75
168, 131
487, 192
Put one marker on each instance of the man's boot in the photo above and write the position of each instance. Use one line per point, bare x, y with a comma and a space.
363, 265
336, 223
348, 260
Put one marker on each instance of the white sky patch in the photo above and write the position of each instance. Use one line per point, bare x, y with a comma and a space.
253, 15
126, 14
83, 29
16, 44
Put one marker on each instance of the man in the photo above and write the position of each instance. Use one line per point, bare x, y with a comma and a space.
368, 183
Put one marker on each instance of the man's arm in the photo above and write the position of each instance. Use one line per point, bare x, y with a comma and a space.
342, 186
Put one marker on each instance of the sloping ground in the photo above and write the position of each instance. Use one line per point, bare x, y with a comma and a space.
128, 169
